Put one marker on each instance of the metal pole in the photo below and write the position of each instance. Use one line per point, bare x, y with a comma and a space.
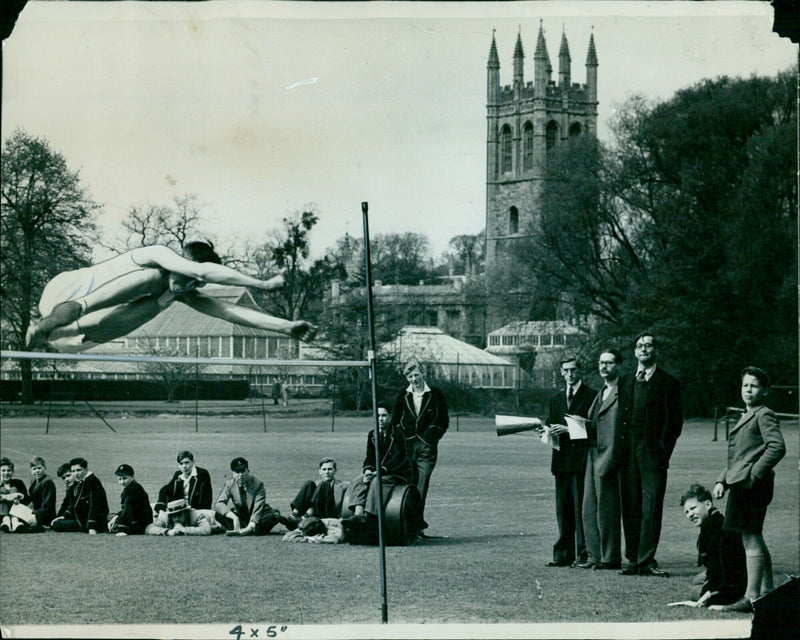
196, 388
716, 419
458, 391
374, 376
333, 403
99, 415
263, 410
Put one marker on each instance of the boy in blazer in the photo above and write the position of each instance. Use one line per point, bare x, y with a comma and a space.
651, 415
135, 513
395, 467
85, 506
189, 482
568, 465
601, 499
242, 507
421, 413
42, 491
755, 446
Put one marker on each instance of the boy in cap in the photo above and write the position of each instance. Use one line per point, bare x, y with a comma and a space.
242, 507
179, 519
136, 513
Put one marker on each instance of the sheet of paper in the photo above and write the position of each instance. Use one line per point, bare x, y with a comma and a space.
548, 439
576, 426
22, 512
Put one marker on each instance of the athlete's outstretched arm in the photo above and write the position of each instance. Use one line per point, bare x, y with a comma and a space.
248, 316
162, 257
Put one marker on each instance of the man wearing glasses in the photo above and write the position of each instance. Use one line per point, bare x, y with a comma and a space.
651, 420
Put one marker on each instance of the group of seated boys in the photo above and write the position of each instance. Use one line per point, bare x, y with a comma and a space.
186, 506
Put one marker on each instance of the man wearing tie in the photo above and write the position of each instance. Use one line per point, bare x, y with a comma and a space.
242, 504
601, 500
568, 465
651, 420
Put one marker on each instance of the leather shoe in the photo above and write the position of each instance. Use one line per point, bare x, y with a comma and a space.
607, 566
630, 570
586, 565
653, 570
559, 563
743, 605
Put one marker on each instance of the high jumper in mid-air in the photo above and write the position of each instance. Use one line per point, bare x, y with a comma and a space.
86, 307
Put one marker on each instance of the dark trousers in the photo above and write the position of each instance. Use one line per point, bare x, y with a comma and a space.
75, 525
319, 497
643, 488
423, 460
569, 500
267, 522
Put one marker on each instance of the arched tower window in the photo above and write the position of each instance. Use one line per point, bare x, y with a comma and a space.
551, 134
505, 149
513, 220
575, 130
527, 147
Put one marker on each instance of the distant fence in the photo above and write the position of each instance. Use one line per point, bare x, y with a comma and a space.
731, 412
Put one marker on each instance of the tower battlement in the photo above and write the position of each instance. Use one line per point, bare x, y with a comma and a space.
526, 120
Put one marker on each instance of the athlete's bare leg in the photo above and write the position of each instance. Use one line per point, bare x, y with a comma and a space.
144, 282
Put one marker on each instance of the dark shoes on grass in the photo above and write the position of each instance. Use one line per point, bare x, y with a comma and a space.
650, 570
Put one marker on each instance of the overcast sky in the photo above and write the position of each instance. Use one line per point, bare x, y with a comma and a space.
262, 107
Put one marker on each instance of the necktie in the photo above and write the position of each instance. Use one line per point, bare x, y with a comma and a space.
570, 395
640, 375
243, 495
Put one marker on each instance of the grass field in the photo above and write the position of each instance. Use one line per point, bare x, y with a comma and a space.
491, 498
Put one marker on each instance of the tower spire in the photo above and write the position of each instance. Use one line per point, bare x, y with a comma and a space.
564, 62
493, 74
541, 64
519, 61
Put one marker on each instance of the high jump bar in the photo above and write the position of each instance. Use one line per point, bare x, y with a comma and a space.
34, 355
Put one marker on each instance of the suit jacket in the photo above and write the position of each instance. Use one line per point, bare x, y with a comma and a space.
393, 456
432, 421
43, 499
200, 495
135, 505
603, 429
252, 509
87, 504
663, 414
570, 457
755, 446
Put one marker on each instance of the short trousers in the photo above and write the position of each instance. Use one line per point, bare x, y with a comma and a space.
747, 508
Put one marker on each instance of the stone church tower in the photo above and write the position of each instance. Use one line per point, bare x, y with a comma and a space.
525, 121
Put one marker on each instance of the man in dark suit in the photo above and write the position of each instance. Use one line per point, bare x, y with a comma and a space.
568, 465
189, 482
242, 504
421, 413
651, 421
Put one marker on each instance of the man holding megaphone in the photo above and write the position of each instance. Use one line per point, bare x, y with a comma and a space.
569, 465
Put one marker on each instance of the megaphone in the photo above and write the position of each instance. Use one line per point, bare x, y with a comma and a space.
514, 424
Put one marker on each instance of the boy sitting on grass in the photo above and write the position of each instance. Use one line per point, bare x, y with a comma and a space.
136, 513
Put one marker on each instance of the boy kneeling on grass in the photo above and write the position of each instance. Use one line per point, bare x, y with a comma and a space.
136, 512
719, 552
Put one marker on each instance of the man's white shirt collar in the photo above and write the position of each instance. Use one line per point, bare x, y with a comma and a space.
425, 389
648, 373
